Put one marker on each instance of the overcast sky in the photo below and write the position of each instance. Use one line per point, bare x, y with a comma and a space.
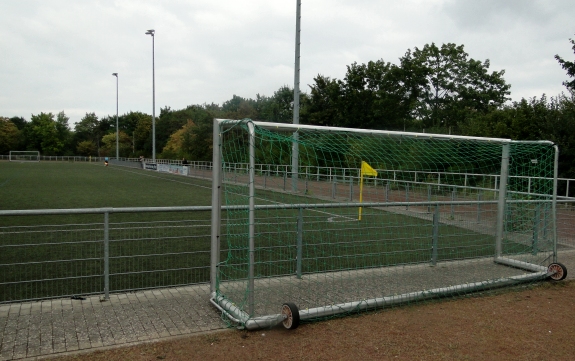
60, 54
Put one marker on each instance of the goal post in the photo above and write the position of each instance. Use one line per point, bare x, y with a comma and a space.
441, 216
24, 156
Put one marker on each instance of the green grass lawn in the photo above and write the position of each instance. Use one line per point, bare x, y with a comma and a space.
52, 256
49, 185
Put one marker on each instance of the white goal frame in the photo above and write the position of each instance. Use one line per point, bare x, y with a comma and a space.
245, 314
24, 156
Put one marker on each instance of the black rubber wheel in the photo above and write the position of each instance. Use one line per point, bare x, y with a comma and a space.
291, 315
558, 271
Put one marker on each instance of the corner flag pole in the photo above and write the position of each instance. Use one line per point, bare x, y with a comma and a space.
366, 169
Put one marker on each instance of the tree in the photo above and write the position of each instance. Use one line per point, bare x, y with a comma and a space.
64, 132
277, 108
88, 129
323, 105
87, 148
44, 136
447, 85
109, 144
9, 135
568, 66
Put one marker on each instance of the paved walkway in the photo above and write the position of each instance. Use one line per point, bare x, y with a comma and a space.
49, 327
32, 329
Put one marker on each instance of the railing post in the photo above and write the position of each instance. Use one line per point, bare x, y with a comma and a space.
479, 196
299, 252
350, 188
333, 189
536, 221
452, 205
387, 192
429, 198
106, 256
435, 236
407, 195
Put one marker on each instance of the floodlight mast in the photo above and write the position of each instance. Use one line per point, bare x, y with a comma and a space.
152, 32
117, 129
295, 146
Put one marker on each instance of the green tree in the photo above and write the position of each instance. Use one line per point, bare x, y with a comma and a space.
109, 144
324, 103
569, 67
88, 129
9, 136
277, 108
43, 135
87, 148
448, 85
64, 133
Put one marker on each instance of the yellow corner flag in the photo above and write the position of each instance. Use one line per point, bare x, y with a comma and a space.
366, 169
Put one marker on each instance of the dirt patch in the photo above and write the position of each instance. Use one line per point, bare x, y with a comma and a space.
525, 323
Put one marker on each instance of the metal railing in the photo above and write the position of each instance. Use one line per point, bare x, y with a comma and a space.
334, 174
133, 248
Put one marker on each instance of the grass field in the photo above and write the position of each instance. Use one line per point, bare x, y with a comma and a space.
51, 256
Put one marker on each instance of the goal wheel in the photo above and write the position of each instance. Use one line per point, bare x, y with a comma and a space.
558, 271
291, 316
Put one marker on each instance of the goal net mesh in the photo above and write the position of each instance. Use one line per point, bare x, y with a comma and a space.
431, 222
24, 156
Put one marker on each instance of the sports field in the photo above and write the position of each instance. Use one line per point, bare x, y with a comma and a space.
48, 185
60, 255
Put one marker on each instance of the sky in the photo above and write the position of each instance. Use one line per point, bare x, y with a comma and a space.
59, 55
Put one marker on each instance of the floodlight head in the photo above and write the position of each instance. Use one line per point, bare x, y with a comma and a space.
115, 74
150, 32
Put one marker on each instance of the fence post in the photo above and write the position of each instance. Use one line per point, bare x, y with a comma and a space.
350, 188
429, 198
106, 256
387, 192
479, 196
536, 231
333, 189
407, 195
299, 251
285, 180
435, 236
452, 205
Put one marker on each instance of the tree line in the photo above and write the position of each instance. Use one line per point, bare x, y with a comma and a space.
434, 89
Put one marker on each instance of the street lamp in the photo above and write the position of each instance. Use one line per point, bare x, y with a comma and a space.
117, 129
152, 32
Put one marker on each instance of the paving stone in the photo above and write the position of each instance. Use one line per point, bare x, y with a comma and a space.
55, 326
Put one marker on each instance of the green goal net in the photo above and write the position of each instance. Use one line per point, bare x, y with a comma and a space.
313, 222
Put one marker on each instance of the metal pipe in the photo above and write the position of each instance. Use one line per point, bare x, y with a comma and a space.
435, 236
251, 219
299, 251
106, 256
501, 202
292, 127
554, 204
295, 144
216, 207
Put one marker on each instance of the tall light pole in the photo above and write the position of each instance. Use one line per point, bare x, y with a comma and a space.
152, 32
117, 129
295, 145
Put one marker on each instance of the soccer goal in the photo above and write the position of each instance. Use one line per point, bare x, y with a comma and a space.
24, 156
313, 222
